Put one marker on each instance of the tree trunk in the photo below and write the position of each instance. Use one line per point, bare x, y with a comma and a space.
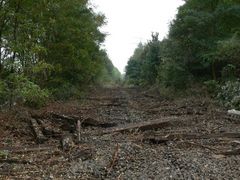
15, 29
213, 71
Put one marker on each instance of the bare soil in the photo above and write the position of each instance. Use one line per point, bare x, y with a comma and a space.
194, 144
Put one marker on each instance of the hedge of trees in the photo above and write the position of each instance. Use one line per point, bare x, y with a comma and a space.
203, 44
50, 48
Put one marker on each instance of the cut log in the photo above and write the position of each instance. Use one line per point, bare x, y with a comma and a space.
149, 125
158, 139
37, 131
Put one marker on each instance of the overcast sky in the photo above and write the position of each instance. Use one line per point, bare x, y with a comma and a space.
132, 21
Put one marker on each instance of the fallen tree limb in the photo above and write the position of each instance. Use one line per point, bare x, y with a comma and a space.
14, 161
114, 158
118, 104
28, 149
85, 121
37, 131
158, 139
230, 152
63, 117
148, 125
50, 130
11, 174
105, 98
78, 129
201, 145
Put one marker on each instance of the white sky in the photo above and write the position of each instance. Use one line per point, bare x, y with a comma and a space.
132, 21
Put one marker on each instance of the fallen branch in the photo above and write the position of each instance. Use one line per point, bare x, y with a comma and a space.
63, 117
230, 152
28, 149
149, 125
15, 173
79, 130
114, 158
37, 131
14, 161
201, 145
85, 121
50, 130
111, 104
105, 98
158, 139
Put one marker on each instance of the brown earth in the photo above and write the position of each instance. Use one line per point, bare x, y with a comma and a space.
125, 133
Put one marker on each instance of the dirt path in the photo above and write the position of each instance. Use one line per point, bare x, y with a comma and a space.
123, 155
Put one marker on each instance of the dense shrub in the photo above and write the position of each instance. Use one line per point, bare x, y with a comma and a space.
173, 75
212, 86
229, 94
20, 88
33, 95
203, 43
66, 91
3, 95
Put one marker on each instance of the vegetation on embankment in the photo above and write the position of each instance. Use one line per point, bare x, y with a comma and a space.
203, 46
50, 49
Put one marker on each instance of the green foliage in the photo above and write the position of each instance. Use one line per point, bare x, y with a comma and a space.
4, 154
134, 66
173, 75
228, 57
229, 72
33, 95
203, 45
108, 74
20, 88
3, 94
151, 61
53, 45
133, 72
142, 68
66, 91
212, 86
198, 29
41, 72
229, 94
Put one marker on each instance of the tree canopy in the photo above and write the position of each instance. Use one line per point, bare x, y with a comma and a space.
202, 44
55, 44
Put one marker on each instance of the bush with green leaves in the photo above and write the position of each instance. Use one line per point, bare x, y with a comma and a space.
229, 72
229, 94
212, 86
33, 95
19, 87
65, 91
173, 75
3, 94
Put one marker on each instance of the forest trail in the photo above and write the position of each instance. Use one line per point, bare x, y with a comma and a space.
125, 133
